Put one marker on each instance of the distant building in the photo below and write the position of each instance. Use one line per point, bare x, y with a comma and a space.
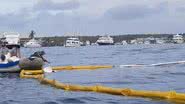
160, 41
140, 40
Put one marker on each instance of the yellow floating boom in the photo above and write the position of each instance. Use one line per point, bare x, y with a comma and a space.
31, 74
89, 67
171, 95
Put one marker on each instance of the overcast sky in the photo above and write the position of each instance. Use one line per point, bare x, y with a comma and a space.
92, 17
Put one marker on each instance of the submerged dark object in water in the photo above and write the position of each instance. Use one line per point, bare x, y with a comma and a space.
31, 64
34, 62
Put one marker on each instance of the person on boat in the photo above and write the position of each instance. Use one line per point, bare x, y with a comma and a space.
3, 59
8, 55
4, 55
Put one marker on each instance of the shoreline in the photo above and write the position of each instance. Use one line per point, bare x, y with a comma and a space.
60, 40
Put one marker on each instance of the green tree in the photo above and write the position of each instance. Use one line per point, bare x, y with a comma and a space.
32, 34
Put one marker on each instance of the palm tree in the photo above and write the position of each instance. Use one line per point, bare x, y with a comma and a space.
32, 34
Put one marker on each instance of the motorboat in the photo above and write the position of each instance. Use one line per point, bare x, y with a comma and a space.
32, 44
150, 40
178, 39
10, 52
124, 42
105, 40
73, 42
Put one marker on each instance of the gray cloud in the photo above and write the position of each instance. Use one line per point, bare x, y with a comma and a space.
43, 21
134, 11
45, 5
118, 20
13, 22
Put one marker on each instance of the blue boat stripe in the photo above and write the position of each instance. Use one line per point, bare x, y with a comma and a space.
10, 64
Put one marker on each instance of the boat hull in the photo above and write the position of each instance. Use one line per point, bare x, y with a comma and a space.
72, 45
32, 46
105, 43
9, 67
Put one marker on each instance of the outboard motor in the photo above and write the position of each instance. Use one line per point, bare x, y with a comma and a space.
34, 62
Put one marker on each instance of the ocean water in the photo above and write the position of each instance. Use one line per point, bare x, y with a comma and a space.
14, 90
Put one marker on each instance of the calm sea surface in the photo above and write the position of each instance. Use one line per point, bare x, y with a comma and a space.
14, 90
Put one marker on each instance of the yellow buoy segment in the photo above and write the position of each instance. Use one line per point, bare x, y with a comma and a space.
81, 67
154, 94
31, 74
171, 95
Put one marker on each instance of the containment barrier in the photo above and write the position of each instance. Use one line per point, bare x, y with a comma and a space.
31, 74
81, 67
154, 94
172, 95
38, 74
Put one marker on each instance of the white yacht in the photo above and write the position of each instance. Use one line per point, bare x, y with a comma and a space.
178, 39
32, 44
73, 42
105, 40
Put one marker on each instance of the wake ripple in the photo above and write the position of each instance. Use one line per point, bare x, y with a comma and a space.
151, 65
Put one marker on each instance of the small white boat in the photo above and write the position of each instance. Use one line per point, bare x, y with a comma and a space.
105, 40
178, 39
73, 42
133, 41
10, 53
124, 42
32, 44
